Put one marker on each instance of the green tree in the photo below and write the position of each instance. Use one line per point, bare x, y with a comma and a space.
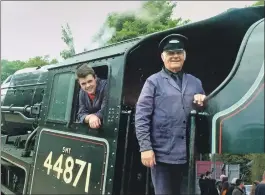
153, 16
39, 61
258, 167
10, 67
54, 61
242, 160
258, 3
252, 166
68, 39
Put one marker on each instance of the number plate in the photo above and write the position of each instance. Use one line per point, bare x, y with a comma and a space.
69, 163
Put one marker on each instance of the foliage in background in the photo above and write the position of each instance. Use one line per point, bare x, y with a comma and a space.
153, 16
258, 3
10, 67
68, 39
258, 167
252, 166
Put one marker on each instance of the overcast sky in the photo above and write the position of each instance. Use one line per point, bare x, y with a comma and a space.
31, 28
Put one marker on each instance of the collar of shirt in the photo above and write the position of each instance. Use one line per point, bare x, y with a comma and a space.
177, 74
91, 96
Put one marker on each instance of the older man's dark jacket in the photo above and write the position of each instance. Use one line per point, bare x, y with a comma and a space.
162, 113
86, 106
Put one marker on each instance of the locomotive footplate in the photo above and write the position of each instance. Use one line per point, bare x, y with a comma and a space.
68, 163
12, 154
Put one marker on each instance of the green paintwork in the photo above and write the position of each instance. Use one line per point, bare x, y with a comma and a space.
100, 53
214, 55
234, 106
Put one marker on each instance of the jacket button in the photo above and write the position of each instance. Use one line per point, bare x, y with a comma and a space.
182, 137
184, 122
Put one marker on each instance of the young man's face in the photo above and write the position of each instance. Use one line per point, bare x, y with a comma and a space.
88, 84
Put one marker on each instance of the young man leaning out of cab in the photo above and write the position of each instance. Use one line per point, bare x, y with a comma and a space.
92, 97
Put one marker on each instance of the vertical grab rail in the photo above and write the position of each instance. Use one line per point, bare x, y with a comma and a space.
128, 113
191, 172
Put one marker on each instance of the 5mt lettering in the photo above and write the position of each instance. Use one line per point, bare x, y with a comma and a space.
68, 171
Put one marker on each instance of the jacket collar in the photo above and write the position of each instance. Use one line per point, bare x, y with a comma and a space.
170, 80
170, 73
98, 87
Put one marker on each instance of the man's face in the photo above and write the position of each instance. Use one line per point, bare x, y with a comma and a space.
88, 84
173, 60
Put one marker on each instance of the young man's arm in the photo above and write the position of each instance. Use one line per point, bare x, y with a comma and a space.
95, 119
100, 113
82, 110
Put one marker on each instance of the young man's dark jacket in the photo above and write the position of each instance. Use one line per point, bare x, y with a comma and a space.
97, 106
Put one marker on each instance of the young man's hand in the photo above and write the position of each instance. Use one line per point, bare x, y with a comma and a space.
93, 121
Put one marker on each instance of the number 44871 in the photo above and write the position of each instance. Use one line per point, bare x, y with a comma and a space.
68, 171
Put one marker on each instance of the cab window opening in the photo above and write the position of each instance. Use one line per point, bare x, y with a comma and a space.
91, 107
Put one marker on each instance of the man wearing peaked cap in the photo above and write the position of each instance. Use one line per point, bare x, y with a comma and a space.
162, 113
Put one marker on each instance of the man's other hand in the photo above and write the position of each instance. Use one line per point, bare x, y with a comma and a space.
93, 121
148, 158
199, 99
